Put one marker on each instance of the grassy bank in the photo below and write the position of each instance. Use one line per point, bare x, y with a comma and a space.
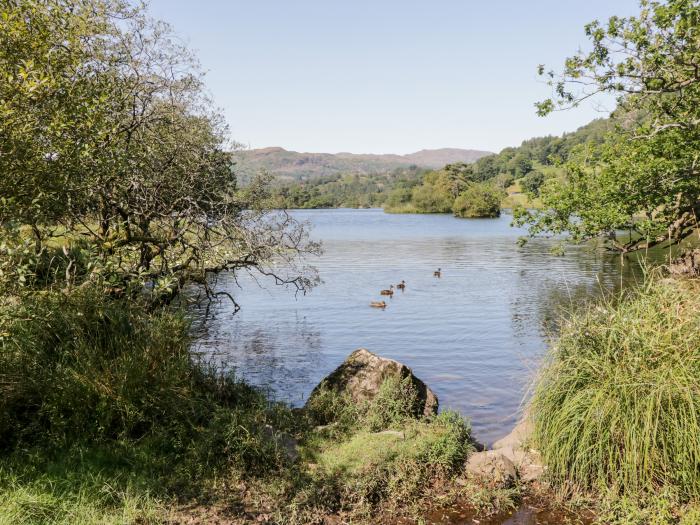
617, 405
107, 417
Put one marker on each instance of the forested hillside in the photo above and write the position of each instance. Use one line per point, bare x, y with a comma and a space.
506, 179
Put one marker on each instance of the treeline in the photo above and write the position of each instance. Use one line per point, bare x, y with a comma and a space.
344, 191
467, 190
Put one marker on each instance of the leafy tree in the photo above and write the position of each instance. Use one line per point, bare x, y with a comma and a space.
109, 148
435, 195
479, 200
520, 165
532, 182
645, 178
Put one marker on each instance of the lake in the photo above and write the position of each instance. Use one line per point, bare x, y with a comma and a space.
475, 335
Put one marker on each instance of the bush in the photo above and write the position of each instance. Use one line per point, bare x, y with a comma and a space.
85, 368
478, 200
431, 198
617, 403
392, 468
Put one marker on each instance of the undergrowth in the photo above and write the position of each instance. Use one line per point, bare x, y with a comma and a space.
107, 416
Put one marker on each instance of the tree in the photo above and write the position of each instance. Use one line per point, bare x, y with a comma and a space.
479, 200
645, 177
520, 165
532, 182
110, 147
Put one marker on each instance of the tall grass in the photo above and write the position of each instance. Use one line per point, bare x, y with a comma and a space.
111, 389
106, 416
617, 405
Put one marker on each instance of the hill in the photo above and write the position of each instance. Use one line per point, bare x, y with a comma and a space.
292, 165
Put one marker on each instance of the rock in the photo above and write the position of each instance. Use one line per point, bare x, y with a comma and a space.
518, 436
686, 265
492, 467
516, 448
284, 441
362, 374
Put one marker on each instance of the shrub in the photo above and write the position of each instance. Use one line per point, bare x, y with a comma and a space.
85, 368
393, 468
617, 403
478, 200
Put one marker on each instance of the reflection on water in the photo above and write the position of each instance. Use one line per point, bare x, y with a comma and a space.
475, 335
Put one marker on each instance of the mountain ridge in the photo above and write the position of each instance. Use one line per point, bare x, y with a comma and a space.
294, 165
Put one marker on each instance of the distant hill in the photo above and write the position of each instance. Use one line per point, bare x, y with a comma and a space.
292, 165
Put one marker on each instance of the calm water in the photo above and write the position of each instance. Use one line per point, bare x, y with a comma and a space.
475, 335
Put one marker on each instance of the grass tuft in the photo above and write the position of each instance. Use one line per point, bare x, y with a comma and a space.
617, 405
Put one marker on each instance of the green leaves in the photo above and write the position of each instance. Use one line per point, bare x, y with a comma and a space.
108, 144
645, 178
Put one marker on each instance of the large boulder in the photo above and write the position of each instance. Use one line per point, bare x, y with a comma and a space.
362, 374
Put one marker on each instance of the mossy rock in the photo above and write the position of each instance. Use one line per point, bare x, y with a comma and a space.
362, 374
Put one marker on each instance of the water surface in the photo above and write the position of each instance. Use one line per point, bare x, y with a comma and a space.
475, 335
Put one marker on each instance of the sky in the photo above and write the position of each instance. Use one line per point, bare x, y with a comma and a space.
385, 76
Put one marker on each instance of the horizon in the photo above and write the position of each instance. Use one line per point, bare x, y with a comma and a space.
359, 153
393, 78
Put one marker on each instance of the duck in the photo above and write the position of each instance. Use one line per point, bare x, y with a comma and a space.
401, 285
438, 272
378, 304
388, 292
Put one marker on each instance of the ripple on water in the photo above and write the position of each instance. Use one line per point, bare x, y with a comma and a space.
475, 335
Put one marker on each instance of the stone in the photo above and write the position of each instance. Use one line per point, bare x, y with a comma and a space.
362, 374
518, 436
516, 448
492, 467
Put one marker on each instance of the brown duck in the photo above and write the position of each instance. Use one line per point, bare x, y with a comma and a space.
388, 292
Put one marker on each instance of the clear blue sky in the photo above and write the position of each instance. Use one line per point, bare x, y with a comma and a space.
385, 76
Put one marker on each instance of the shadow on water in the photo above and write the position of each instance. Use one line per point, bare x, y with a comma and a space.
475, 335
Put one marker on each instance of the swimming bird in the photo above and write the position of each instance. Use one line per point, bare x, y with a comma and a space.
378, 304
388, 292
401, 285
438, 272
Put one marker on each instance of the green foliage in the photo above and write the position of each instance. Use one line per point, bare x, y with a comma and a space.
108, 137
396, 403
391, 468
345, 191
479, 200
83, 486
644, 178
433, 195
616, 404
532, 182
86, 368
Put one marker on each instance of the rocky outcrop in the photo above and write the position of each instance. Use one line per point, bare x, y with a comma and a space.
362, 374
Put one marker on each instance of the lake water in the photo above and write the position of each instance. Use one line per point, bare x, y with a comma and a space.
475, 335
